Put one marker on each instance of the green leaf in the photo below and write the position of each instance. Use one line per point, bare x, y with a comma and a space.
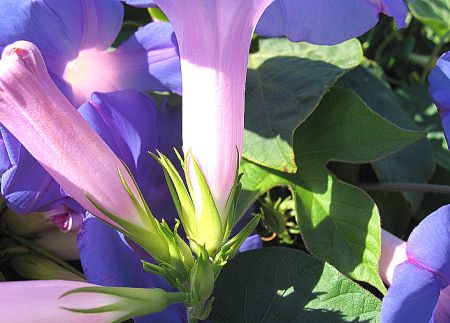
345, 55
283, 91
339, 223
418, 104
418, 156
433, 13
2, 278
345, 129
286, 285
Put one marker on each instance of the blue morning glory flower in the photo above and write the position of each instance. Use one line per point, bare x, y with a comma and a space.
420, 290
74, 37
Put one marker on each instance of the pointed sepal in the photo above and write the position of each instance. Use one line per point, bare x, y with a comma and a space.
129, 302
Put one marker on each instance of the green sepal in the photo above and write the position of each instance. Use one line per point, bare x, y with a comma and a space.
148, 240
230, 248
185, 251
230, 209
180, 195
131, 302
160, 270
210, 222
157, 14
230, 206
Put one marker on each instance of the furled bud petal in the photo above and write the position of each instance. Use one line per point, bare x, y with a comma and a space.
32, 301
44, 121
65, 219
37, 114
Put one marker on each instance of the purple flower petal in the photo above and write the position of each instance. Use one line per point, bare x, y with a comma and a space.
149, 59
429, 244
131, 125
326, 22
140, 3
109, 260
126, 121
412, 296
25, 185
61, 28
106, 257
396, 9
439, 80
251, 243
442, 311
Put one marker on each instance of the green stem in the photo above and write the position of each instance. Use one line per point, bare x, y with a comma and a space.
434, 57
189, 312
384, 44
406, 187
42, 252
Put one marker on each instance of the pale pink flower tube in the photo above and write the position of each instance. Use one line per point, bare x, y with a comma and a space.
44, 121
393, 253
214, 37
29, 301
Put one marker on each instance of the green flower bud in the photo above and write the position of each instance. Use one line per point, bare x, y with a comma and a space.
28, 224
38, 268
129, 302
202, 278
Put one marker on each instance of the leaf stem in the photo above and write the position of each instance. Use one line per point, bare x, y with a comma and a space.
41, 251
409, 187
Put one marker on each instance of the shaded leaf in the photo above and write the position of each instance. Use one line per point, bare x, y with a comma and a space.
286, 285
418, 156
433, 13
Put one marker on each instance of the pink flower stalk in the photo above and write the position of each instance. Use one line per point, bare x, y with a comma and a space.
214, 37
44, 121
28, 301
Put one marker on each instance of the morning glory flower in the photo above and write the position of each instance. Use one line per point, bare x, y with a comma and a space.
420, 283
43, 120
439, 80
214, 55
123, 120
131, 125
74, 36
49, 301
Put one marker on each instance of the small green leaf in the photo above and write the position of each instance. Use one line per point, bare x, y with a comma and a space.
286, 285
